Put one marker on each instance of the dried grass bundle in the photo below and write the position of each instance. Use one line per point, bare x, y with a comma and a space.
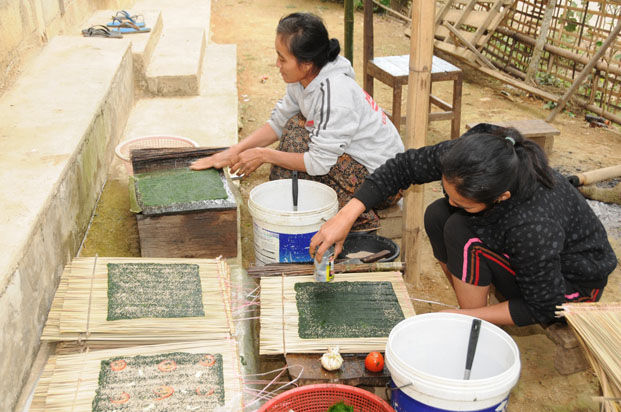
598, 328
70, 382
80, 307
280, 320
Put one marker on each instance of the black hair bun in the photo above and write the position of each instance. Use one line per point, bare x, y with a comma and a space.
334, 48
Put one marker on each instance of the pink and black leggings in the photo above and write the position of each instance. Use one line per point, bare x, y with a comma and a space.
469, 260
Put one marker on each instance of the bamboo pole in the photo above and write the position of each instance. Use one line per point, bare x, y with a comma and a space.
585, 72
543, 34
349, 30
367, 45
554, 50
419, 88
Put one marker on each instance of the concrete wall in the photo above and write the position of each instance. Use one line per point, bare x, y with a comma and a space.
26, 25
26, 292
58, 233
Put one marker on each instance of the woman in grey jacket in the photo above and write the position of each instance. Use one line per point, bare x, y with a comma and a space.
329, 129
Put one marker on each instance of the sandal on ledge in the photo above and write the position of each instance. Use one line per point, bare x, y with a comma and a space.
122, 16
127, 27
101, 31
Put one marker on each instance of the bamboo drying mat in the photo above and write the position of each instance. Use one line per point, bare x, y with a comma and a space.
69, 382
279, 315
598, 328
79, 308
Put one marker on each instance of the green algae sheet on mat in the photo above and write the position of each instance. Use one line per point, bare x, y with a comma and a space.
176, 381
178, 186
154, 290
346, 309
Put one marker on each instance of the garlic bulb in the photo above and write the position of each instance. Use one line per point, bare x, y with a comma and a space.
332, 359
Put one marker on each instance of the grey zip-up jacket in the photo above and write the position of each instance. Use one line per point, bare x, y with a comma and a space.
341, 118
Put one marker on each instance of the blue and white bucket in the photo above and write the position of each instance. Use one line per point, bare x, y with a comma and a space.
280, 233
426, 357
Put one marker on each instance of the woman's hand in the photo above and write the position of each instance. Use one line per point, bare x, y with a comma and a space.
248, 161
218, 160
335, 230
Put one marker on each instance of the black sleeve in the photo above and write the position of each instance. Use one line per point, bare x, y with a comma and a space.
414, 166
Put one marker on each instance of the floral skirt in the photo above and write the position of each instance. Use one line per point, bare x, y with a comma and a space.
345, 177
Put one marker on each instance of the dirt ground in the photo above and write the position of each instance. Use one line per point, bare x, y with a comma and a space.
251, 25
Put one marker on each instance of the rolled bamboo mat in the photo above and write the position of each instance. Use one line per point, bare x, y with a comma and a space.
279, 315
70, 382
297, 269
598, 329
80, 307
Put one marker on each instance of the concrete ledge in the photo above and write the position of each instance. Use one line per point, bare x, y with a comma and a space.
216, 107
180, 14
178, 116
175, 68
219, 70
58, 127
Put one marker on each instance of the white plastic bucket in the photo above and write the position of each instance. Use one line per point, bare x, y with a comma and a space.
280, 233
426, 357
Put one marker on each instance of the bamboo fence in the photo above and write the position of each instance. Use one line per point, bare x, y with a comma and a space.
279, 315
69, 382
79, 308
576, 31
598, 328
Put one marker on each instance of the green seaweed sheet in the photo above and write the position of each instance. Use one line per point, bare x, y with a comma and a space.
346, 309
164, 382
154, 290
178, 186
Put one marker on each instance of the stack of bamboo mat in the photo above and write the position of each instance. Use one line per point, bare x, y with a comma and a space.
188, 376
145, 333
356, 311
598, 328
112, 302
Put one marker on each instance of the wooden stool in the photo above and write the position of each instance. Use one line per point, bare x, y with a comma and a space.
352, 371
394, 71
536, 130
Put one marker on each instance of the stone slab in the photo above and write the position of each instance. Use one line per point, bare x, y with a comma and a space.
209, 120
175, 67
180, 13
219, 70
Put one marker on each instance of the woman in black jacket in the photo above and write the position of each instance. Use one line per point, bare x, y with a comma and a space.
507, 219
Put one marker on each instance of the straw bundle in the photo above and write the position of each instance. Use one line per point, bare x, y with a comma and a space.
70, 382
280, 320
80, 306
598, 328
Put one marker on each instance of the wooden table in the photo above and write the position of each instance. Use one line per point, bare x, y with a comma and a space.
352, 371
395, 70
537, 130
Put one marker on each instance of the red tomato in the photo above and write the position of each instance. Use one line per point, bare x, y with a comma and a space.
374, 362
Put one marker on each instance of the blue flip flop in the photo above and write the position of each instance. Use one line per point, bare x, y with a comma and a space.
128, 27
122, 16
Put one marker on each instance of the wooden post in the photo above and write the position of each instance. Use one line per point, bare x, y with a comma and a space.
541, 40
349, 30
367, 53
587, 69
419, 88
